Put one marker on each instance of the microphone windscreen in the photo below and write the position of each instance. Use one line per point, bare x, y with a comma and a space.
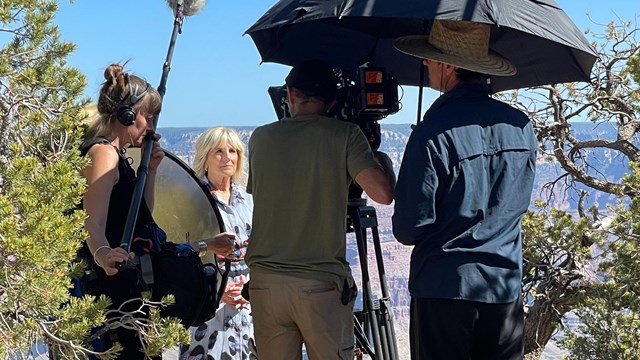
189, 7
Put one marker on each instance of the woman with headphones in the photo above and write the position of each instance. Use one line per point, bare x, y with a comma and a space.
127, 105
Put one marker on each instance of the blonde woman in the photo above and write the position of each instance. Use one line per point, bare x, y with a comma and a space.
219, 162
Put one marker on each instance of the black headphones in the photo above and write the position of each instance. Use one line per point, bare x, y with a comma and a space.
125, 113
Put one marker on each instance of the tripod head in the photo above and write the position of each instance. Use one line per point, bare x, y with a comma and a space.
356, 202
353, 203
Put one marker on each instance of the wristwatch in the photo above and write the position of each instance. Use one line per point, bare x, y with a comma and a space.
202, 248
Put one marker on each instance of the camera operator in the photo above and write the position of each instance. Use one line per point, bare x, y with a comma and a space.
300, 169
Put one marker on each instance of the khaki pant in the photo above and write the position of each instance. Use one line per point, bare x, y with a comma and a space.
288, 311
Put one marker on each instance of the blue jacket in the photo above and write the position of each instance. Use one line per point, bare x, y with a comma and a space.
464, 185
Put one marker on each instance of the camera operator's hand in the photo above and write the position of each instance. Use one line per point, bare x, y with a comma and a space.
387, 166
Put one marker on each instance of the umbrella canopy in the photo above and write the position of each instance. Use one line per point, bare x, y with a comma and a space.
535, 35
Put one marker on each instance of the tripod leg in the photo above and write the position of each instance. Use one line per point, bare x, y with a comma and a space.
385, 306
361, 339
378, 311
367, 299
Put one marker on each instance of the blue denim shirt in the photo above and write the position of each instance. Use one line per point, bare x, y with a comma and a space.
237, 218
464, 185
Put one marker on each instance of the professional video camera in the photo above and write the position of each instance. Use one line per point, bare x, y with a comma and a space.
363, 99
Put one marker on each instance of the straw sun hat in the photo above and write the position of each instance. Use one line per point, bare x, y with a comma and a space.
463, 44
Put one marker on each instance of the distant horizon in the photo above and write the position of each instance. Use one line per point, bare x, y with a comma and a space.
382, 123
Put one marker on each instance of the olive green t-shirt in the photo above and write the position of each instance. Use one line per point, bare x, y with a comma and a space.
299, 174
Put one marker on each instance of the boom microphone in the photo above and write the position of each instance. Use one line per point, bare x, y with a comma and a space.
189, 7
181, 8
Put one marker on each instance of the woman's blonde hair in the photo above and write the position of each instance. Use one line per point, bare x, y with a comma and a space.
216, 137
116, 91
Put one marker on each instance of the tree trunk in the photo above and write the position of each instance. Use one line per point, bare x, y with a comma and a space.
540, 324
534, 355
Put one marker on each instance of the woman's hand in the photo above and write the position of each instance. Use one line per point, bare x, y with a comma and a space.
222, 244
108, 258
233, 294
157, 154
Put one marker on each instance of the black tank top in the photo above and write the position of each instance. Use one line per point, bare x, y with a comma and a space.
127, 283
120, 199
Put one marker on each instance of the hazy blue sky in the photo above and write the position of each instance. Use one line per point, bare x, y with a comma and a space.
216, 77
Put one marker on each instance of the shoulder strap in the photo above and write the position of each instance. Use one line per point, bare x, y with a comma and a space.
84, 148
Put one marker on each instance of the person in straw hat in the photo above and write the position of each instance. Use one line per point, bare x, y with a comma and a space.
464, 186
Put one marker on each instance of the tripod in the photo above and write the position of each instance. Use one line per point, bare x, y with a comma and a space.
375, 322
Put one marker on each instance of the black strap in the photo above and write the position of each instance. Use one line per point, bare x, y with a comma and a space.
84, 148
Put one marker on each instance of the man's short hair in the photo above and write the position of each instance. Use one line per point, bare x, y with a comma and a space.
314, 78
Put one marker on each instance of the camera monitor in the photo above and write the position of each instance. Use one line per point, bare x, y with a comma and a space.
278, 95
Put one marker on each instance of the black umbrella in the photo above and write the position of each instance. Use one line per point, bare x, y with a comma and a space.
536, 35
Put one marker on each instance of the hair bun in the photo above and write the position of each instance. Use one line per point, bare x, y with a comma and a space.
112, 72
